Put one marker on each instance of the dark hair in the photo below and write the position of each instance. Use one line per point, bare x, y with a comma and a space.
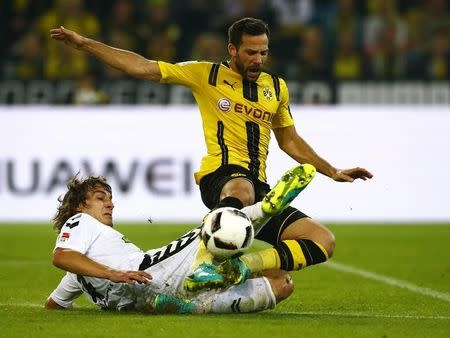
76, 195
251, 26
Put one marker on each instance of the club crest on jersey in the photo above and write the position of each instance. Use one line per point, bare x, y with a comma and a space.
267, 93
224, 104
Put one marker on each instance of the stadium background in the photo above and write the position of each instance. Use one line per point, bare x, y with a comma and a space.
369, 86
343, 51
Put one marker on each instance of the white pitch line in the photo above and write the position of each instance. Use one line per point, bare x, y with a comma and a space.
41, 306
359, 315
31, 305
299, 313
389, 280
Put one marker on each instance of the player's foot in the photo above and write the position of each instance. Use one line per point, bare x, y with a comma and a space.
205, 276
287, 188
165, 303
210, 276
234, 271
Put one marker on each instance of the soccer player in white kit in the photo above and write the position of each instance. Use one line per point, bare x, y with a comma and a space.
101, 263
117, 275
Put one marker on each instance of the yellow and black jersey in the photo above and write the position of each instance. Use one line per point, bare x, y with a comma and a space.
237, 115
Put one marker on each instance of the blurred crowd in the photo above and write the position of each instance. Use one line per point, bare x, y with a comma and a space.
323, 40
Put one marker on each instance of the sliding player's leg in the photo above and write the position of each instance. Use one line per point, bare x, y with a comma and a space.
256, 294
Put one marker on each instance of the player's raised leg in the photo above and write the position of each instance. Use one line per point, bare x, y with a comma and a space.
290, 185
236, 270
287, 188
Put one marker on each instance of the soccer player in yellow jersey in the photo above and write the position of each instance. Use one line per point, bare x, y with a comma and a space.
240, 104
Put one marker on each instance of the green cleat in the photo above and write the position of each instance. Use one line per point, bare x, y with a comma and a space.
287, 188
205, 276
210, 276
165, 303
234, 271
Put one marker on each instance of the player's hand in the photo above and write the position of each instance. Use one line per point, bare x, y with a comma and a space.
130, 277
349, 175
67, 36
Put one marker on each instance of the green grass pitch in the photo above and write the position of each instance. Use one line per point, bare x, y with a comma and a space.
384, 281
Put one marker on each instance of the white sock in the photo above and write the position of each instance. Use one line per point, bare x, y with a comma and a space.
254, 295
256, 215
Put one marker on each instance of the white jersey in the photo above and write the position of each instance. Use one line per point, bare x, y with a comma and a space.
167, 265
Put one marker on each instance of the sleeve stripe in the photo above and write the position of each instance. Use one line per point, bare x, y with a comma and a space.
212, 80
276, 85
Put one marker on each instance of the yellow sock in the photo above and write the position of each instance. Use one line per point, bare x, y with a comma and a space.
261, 260
203, 256
300, 253
288, 255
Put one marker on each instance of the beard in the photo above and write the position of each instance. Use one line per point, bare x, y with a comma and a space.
250, 73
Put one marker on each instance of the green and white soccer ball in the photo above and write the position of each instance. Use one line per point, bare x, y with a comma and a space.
227, 232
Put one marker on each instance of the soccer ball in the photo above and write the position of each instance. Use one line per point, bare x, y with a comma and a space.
226, 232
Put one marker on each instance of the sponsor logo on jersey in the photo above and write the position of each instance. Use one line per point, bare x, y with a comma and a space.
64, 237
224, 104
267, 93
255, 112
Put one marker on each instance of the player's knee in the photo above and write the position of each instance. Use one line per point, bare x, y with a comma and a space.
329, 243
247, 197
323, 236
309, 229
281, 283
241, 189
286, 287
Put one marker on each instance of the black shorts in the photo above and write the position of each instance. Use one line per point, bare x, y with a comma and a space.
211, 186
271, 232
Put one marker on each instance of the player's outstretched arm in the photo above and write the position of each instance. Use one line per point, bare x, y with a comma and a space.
131, 63
349, 175
297, 148
75, 262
